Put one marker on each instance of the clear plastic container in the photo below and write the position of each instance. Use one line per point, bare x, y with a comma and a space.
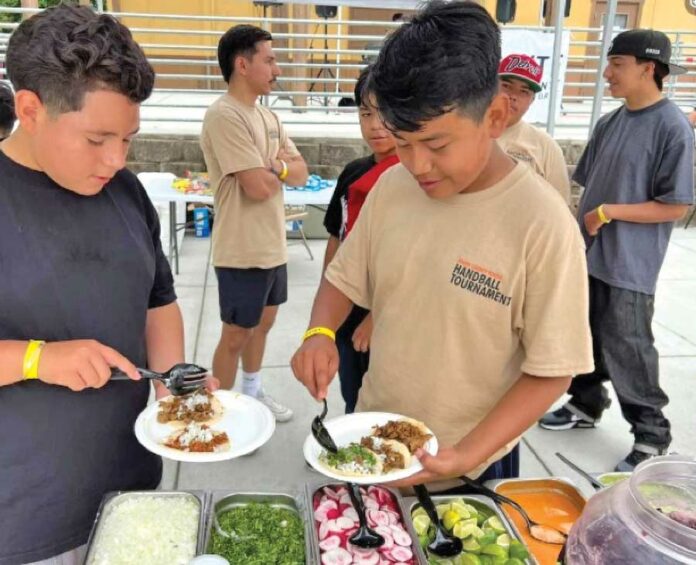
622, 524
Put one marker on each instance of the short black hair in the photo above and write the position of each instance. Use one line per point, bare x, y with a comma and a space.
444, 58
7, 111
66, 51
661, 71
362, 88
239, 40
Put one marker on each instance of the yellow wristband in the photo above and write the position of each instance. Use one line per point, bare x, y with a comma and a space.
602, 216
284, 173
319, 331
30, 368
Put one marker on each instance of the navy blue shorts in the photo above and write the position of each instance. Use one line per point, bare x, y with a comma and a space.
244, 293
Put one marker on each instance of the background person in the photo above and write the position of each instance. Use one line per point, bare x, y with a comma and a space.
520, 78
354, 183
7, 111
638, 174
249, 157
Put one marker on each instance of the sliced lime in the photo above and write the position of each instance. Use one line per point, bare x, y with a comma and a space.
495, 523
503, 541
518, 550
494, 550
421, 523
449, 519
471, 544
463, 531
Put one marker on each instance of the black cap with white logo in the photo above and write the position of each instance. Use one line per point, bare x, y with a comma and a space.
646, 44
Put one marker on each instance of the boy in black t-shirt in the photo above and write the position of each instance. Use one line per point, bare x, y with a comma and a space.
354, 183
85, 285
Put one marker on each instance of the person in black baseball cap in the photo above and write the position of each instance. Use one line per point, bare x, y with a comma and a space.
646, 44
638, 174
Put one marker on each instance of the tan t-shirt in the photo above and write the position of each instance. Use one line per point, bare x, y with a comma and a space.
237, 137
466, 294
540, 151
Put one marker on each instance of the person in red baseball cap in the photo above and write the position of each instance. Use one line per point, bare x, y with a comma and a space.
520, 78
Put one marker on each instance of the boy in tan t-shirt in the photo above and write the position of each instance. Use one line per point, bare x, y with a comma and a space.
473, 269
249, 156
520, 78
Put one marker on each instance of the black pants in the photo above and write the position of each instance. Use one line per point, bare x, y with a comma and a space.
625, 354
352, 364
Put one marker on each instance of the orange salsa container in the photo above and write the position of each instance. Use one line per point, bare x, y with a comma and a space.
553, 502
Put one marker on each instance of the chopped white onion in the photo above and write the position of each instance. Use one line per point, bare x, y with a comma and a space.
148, 530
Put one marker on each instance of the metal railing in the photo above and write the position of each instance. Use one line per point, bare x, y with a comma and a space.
319, 67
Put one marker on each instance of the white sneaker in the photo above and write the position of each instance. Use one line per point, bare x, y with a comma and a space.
281, 413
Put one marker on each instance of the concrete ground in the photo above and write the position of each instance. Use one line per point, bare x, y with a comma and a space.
279, 466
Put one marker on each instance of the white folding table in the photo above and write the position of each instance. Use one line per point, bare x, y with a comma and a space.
159, 188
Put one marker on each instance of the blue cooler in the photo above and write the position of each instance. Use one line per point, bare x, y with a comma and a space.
201, 221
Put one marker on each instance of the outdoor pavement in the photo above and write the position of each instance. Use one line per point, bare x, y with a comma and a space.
279, 466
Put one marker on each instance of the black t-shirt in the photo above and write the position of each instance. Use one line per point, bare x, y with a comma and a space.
73, 267
335, 218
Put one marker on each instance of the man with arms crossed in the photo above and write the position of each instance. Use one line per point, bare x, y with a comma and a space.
249, 157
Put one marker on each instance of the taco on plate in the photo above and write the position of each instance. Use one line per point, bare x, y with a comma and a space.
412, 433
200, 406
198, 438
353, 460
393, 454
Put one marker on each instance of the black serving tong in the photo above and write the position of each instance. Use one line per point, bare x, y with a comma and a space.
181, 379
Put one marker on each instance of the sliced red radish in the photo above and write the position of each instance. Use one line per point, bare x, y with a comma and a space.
394, 518
331, 493
351, 514
381, 518
329, 543
344, 523
327, 528
345, 500
371, 504
401, 536
399, 553
337, 556
323, 510
365, 557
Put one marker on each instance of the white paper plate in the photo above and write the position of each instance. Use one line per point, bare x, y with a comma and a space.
246, 421
350, 428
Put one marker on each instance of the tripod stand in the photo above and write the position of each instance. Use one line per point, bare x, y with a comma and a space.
325, 70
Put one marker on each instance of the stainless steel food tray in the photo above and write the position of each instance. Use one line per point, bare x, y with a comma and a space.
111, 499
560, 485
313, 487
409, 504
221, 501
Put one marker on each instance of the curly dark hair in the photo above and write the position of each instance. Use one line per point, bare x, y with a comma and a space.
239, 40
445, 58
66, 51
7, 111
